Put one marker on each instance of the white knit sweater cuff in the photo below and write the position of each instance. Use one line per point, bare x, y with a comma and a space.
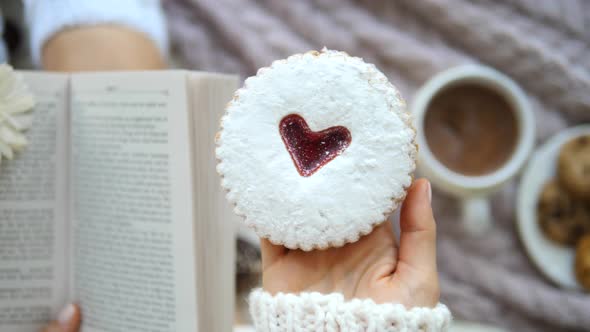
45, 18
319, 312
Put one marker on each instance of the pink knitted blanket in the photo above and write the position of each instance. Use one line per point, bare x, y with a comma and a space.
542, 44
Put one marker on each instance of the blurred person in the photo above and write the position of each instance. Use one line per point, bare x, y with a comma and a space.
85, 35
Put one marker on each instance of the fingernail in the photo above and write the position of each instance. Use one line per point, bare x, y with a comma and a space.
66, 315
429, 192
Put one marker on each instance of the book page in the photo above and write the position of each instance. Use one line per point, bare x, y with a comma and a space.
132, 202
33, 250
215, 220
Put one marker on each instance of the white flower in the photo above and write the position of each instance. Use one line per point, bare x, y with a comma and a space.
16, 103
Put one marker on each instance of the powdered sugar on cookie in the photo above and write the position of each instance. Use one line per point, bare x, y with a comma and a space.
349, 194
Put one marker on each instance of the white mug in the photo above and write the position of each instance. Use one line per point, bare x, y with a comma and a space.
474, 190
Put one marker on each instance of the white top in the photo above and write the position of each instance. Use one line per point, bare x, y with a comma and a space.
45, 18
331, 312
350, 194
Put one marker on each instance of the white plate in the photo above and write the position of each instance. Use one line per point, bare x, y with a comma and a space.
555, 261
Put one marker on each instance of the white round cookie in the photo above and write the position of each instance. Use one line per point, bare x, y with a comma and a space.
347, 196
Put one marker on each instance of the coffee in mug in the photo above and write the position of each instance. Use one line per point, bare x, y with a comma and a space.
475, 130
470, 128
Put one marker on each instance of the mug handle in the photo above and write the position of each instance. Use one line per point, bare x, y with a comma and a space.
477, 217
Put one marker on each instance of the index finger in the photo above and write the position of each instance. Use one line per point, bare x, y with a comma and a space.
270, 252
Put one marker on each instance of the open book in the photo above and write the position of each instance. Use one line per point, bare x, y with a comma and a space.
116, 205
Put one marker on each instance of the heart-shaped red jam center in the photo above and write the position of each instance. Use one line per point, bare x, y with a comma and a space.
310, 150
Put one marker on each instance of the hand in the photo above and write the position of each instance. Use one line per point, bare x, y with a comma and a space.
87, 48
374, 267
68, 321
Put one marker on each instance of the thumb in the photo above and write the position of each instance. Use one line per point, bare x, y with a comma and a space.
68, 321
417, 249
